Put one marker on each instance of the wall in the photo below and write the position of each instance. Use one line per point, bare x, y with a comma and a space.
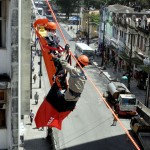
93, 31
25, 56
3, 141
9, 58
13, 99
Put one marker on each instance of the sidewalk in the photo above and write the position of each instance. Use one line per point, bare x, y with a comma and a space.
33, 137
111, 75
70, 29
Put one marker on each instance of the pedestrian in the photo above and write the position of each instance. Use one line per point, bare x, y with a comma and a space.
115, 119
100, 71
36, 98
33, 55
34, 78
31, 115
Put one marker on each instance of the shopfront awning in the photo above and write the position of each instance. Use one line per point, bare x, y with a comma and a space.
134, 60
111, 47
144, 68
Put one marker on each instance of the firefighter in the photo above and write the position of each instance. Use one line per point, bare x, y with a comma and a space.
36, 98
77, 77
51, 34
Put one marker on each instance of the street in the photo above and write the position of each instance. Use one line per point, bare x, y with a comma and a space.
89, 126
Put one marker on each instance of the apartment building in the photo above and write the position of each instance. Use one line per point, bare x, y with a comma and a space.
14, 69
125, 33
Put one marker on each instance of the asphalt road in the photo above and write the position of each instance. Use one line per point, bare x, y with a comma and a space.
89, 126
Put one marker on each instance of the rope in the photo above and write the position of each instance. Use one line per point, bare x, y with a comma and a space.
100, 94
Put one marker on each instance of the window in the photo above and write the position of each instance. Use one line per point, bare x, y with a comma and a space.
141, 42
145, 44
129, 101
133, 40
128, 38
2, 23
2, 108
138, 39
125, 37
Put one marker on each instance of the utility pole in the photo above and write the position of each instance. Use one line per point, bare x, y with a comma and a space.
88, 25
103, 45
32, 45
78, 22
148, 88
40, 69
130, 62
146, 61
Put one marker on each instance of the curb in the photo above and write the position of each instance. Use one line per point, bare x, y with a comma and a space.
105, 73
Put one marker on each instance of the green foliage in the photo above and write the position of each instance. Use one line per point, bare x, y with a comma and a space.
95, 18
67, 6
97, 3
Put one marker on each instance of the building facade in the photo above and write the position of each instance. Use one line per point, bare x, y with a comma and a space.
14, 74
126, 36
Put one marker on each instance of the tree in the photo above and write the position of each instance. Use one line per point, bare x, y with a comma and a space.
94, 18
67, 6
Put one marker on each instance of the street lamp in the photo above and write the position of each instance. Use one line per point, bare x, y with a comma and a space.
130, 61
146, 62
130, 57
88, 28
40, 69
31, 65
88, 24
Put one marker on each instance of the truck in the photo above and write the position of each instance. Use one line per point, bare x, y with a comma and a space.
142, 130
120, 98
140, 125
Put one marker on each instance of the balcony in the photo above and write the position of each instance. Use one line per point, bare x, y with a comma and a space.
143, 27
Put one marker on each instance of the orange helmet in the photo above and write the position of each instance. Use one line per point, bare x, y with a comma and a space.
50, 26
83, 59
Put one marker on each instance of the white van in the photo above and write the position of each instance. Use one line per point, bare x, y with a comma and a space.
82, 48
